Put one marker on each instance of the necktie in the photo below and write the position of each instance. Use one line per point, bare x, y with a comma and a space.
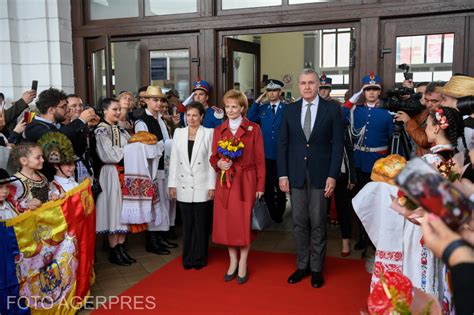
307, 122
274, 109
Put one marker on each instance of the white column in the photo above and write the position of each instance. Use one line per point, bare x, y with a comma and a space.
35, 44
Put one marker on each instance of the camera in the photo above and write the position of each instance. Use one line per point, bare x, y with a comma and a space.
403, 98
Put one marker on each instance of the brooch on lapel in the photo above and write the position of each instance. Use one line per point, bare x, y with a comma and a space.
249, 128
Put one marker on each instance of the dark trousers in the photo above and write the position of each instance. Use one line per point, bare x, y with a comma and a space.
362, 180
195, 218
343, 199
309, 209
274, 197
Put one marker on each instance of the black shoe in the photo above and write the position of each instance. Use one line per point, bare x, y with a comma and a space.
187, 267
230, 277
167, 243
116, 257
171, 234
317, 279
154, 246
361, 244
125, 254
298, 275
199, 267
242, 280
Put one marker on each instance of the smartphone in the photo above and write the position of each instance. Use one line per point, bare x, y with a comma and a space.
34, 85
431, 191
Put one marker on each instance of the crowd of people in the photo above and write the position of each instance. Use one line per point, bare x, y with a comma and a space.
310, 149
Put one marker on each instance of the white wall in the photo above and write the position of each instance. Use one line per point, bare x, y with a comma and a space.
35, 44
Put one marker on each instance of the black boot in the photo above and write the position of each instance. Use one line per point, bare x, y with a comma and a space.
116, 257
171, 234
163, 240
153, 246
125, 254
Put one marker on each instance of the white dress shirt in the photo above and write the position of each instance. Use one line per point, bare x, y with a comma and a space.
314, 111
141, 126
67, 183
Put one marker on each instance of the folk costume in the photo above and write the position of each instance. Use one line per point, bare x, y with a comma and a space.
399, 243
58, 149
110, 142
9, 207
233, 206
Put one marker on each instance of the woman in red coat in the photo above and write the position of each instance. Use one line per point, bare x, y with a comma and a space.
233, 207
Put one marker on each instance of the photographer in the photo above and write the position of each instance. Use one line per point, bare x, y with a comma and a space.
415, 126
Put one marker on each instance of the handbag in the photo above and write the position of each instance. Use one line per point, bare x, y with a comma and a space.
261, 218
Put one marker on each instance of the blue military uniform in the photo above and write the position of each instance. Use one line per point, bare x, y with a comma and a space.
214, 115
269, 117
371, 128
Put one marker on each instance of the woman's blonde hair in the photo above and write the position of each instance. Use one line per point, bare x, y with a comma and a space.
239, 96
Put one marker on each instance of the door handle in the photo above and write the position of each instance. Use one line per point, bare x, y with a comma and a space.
384, 51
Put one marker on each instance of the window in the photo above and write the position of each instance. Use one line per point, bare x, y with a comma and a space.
429, 56
335, 48
242, 4
308, 1
113, 9
164, 7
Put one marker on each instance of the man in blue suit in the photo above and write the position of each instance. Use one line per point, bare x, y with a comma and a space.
310, 149
268, 115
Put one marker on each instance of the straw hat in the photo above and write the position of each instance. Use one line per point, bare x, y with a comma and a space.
154, 91
459, 86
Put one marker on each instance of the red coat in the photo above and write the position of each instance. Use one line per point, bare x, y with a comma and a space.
233, 207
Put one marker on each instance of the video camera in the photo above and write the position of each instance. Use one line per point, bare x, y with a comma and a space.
403, 98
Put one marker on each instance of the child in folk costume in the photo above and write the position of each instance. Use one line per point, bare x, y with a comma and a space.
58, 151
10, 188
28, 158
399, 242
111, 139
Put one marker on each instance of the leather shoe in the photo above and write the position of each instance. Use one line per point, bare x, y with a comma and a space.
157, 248
298, 275
230, 277
317, 279
361, 244
166, 243
242, 280
125, 254
345, 254
116, 258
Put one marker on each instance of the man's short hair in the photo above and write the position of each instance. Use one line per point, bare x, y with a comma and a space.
73, 95
142, 89
422, 84
2, 96
308, 71
434, 86
49, 98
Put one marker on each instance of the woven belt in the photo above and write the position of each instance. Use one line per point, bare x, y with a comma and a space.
367, 149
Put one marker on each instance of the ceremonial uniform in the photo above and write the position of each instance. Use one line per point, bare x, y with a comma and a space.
371, 129
214, 115
268, 116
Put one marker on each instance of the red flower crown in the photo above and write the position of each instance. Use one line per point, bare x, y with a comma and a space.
441, 119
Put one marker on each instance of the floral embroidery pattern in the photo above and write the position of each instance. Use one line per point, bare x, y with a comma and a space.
386, 261
135, 186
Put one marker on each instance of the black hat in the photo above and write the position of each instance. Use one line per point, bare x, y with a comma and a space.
5, 178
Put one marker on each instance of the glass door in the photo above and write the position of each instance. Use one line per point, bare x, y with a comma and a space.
98, 68
171, 63
433, 48
243, 66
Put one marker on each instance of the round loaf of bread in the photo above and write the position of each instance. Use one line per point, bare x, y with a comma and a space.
386, 169
143, 137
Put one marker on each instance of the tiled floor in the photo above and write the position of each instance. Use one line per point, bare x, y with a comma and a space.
111, 280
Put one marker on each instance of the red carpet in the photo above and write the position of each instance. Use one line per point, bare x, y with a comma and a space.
179, 291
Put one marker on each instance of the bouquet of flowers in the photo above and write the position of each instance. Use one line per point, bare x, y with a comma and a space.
229, 149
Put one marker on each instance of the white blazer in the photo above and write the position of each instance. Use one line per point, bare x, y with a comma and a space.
192, 179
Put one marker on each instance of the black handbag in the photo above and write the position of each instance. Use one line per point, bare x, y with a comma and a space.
261, 218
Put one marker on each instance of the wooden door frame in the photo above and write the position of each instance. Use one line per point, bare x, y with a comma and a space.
166, 42
93, 45
391, 29
222, 51
245, 47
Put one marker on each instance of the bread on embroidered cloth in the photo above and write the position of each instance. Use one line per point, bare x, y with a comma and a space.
386, 169
144, 137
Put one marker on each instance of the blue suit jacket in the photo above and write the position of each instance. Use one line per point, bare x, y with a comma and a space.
321, 155
270, 125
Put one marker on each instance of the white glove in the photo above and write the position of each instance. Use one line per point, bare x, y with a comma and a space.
188, 100
356, 96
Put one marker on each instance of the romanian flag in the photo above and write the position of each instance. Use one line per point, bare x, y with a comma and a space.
47, 256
